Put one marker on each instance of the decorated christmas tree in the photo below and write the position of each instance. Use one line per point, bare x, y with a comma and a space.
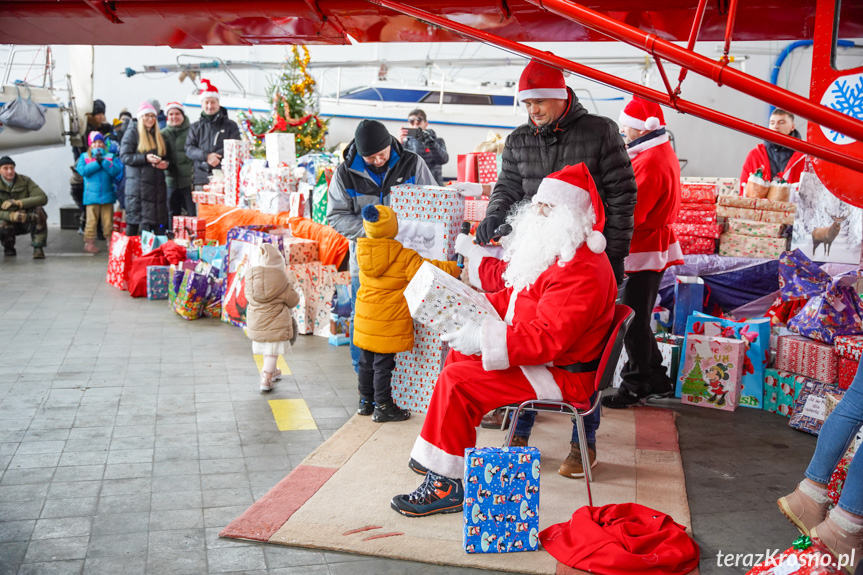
694, 382
291, 95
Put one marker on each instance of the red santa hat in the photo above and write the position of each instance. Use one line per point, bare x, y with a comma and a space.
208, 91
573, 187
642, 114
174, 106
541, 81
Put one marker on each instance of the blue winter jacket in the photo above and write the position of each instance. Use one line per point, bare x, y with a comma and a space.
100, 177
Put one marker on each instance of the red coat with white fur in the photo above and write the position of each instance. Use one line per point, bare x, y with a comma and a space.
657, 173
560, 319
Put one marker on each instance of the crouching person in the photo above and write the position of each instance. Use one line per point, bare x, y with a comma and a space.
21, 211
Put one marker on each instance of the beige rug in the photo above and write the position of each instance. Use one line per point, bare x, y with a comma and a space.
338, 498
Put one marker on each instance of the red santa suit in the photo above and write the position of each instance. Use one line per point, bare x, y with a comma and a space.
758, 158
562, 318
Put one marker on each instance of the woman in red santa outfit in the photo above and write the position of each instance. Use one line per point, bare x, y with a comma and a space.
557, 309
653, 249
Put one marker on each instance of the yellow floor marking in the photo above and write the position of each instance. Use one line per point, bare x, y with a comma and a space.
292, 414
280, 363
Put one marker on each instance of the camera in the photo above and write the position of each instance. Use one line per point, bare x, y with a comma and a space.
414, 132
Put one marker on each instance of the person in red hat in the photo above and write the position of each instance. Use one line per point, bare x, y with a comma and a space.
654, 248
557, 309
205, 144
561, 133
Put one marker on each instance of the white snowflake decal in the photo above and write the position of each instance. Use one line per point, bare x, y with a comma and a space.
845, 95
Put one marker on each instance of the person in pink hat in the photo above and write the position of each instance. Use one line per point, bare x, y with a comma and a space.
205, 144
654, 248
557, 309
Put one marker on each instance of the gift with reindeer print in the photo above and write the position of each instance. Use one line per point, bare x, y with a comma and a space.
826, 229
710, 375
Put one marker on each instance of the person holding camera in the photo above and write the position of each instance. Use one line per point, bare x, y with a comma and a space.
21, 211
420, 140
100, 170
146, 156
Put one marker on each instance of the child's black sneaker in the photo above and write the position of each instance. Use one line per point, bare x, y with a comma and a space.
389, 411
437, 494
366, 407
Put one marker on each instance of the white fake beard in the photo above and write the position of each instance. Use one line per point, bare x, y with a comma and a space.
537, 241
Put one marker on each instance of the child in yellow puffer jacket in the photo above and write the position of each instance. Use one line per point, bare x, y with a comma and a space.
383, 325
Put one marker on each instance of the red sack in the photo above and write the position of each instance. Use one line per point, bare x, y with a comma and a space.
138, 271
120, 255
622, 539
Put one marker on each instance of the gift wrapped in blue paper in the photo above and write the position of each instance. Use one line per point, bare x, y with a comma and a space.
157, 282
501, 499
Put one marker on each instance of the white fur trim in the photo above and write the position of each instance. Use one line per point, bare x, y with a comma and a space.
629, 121
838, 517
203, 95
492, 340
596, 242
437, 460
474, 259
643, 146
556, 192
542, 382
543, 94
174, 106
652, 261
652, 123
813, 493
510, 308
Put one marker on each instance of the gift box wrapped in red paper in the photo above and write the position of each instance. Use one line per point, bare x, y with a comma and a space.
696, 216
849, 346
698, 193
695, 245
712, 231
807, 357
802, 558
847, 370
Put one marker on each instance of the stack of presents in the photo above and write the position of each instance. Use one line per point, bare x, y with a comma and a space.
480, 168
200, 278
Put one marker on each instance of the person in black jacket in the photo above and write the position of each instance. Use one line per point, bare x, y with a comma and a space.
425, 143
205, 143
146, 155
561, 133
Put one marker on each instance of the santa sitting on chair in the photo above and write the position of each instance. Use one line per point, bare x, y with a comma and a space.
557, 311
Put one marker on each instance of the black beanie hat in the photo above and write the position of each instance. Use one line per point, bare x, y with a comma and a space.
6, 161
371, 137
98, 107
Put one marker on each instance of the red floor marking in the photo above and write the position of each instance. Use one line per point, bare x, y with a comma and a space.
267, 515
361, 529
655, 430
382, 535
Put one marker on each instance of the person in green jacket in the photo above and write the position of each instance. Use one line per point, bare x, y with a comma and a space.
21, 211
179, 178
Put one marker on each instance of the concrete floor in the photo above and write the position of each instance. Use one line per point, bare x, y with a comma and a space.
129, 438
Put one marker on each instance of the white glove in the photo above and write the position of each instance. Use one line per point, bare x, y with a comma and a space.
467, 189
466, 340
464, 245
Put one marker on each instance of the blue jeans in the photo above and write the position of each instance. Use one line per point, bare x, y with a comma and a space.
525, 422
836, 434
355, 351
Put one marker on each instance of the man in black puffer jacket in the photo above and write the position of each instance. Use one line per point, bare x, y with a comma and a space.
561, 133
205, 143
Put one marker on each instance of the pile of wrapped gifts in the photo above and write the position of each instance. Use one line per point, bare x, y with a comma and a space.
189, 228
236, 154
756, 209
213, 194
819, 344
753, 239
696, 228
479, 167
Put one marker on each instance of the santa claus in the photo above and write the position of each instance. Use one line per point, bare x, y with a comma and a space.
557, 309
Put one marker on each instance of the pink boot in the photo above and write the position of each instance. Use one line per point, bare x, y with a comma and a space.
90, 247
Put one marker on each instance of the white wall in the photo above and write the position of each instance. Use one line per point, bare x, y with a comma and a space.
710, 149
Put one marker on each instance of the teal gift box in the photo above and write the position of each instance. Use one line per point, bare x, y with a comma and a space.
781, 389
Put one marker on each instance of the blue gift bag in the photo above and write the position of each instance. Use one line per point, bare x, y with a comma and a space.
688, 298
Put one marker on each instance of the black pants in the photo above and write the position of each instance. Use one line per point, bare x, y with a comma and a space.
375, 375
644, 367
136, 229
180, 200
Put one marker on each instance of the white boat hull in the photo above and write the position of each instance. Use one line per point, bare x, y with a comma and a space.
51, 134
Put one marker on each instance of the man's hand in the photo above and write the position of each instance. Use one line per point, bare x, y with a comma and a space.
466, 340
11, 205
20, 217
214, 159
617, 267
425, 138
485, 230
403, 134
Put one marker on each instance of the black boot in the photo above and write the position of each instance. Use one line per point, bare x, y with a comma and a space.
621, 400
389, 411
366, 406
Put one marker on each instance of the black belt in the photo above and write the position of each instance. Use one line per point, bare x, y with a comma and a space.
580, 367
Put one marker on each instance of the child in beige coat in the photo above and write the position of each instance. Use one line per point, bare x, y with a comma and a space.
270, 324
